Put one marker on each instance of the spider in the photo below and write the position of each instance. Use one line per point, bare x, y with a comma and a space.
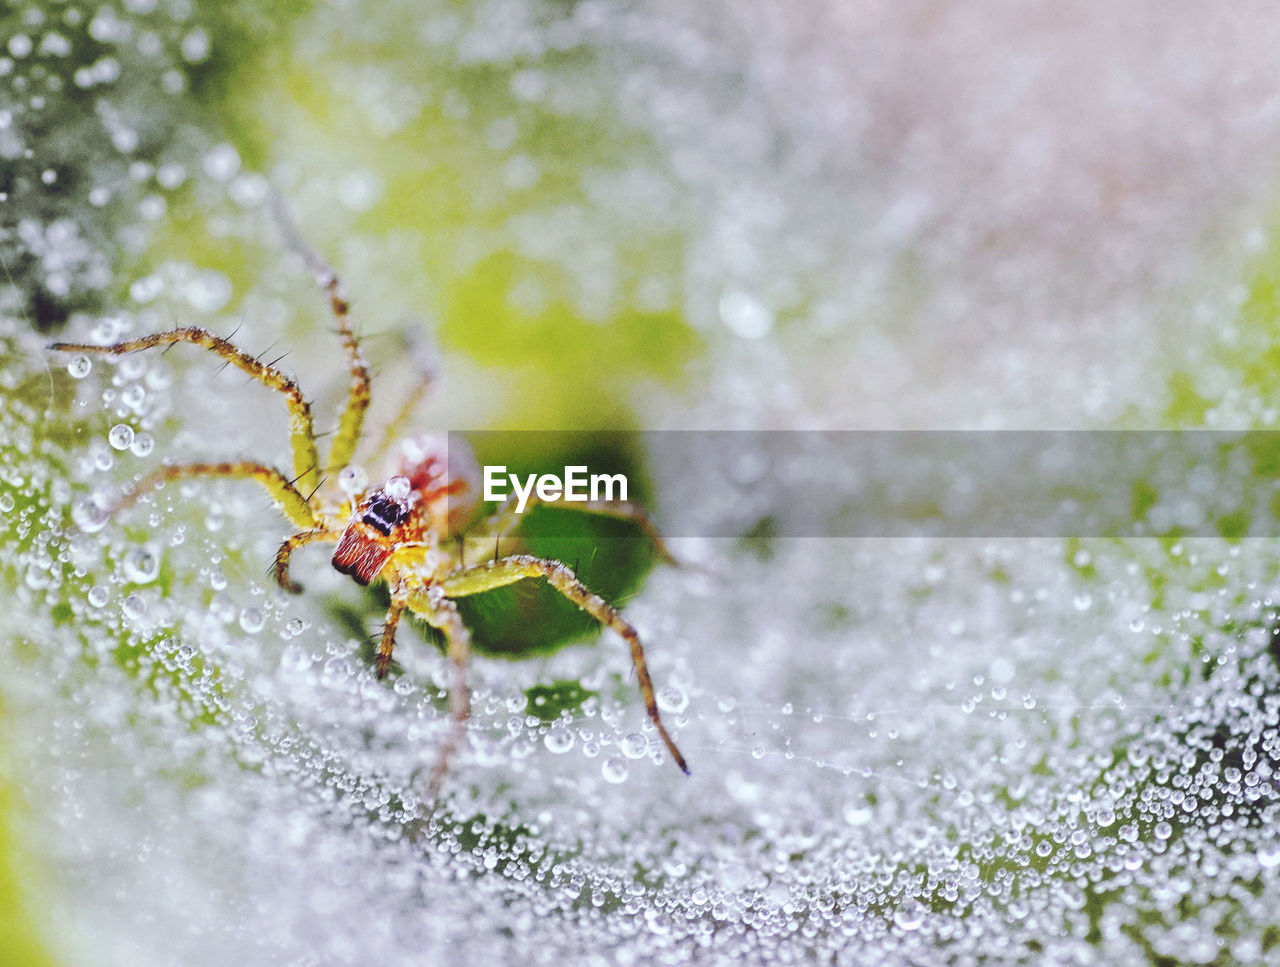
414, 531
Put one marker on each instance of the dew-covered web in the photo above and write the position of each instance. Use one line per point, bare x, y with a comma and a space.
903, 751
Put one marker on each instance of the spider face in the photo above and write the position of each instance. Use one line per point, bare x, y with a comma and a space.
416, 532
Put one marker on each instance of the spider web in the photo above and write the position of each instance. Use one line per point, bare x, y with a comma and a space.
903, 751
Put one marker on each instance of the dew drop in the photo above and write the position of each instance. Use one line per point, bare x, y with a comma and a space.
672, 699
634, 745
88, 516
558, 739
142, 565
909, 916
614, 769
295, 658
745, 315
857, 814
97, 596
7, 503
133, 607
120, 436
80, 366
251, 620
133, 396
143, 444
222, 162
352, 480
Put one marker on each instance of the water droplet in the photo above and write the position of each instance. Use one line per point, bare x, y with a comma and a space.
558, 739
88, 516
7, 503
133, 396
672, 699
352, 480
757, 751
142, 564
857, 814
80, 366
614, 769
120, 436
909, 916
222, 162
133, 607
295, 658
251, 620
142, 445
397, 487
634, 745
744, 315
97, 596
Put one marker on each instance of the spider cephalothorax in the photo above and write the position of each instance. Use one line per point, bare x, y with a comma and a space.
375, 529
415, 532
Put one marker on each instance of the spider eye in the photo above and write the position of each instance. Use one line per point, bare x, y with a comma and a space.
385, 513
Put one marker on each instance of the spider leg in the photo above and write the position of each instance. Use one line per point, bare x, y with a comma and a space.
290, 545
506, 518
509, 570
394, 430
282, 490
352, 419
301, 427
439, 612
399, 600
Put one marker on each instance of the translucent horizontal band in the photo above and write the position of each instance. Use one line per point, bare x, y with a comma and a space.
735, 484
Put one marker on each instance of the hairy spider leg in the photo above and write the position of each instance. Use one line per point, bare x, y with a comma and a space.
437, 610
352, 419
290, 545
282, 491
302, 434
394, 430
399, 601
509, 570
506, 518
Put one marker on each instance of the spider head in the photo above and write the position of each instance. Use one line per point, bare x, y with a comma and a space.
374, 530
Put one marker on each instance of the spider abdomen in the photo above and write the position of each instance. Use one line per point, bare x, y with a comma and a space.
360, 553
